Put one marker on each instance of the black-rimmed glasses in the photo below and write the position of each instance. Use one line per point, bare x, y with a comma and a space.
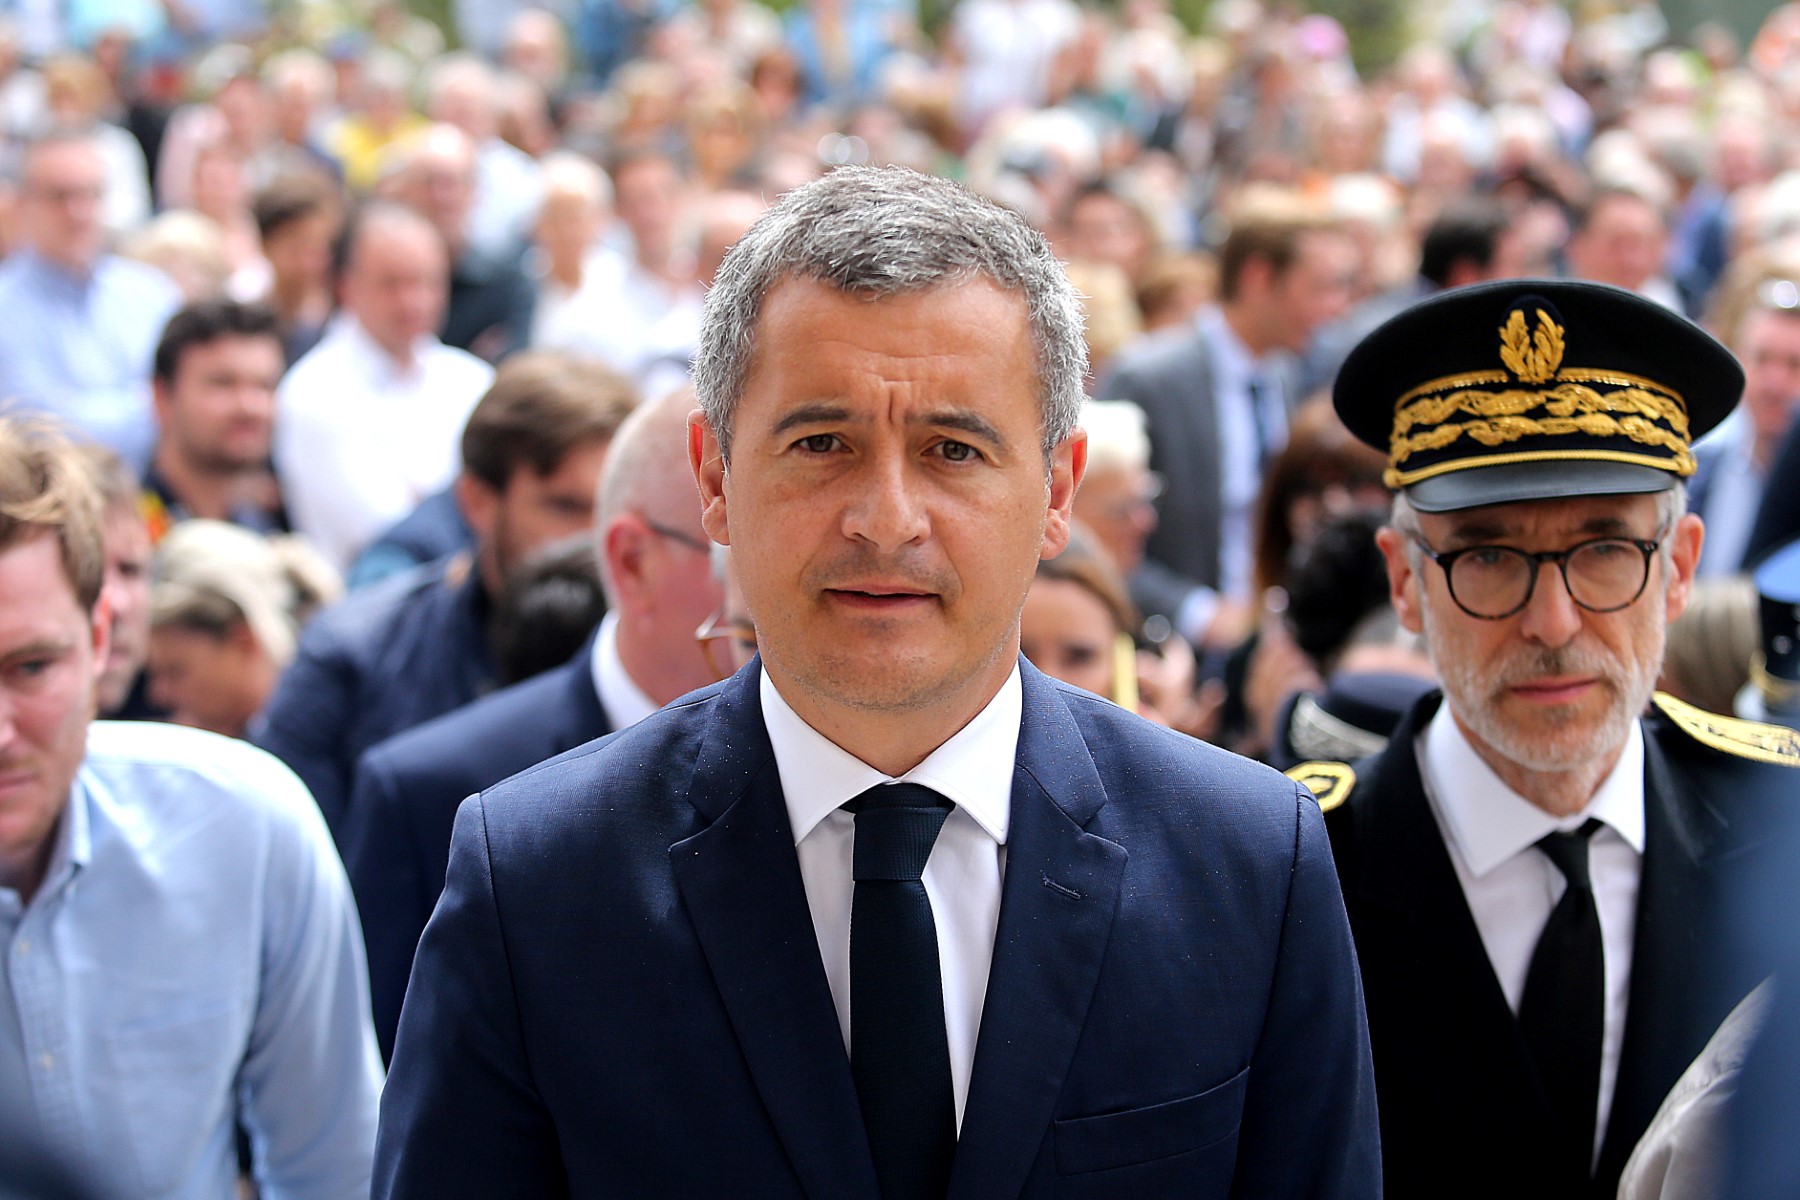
1494, 582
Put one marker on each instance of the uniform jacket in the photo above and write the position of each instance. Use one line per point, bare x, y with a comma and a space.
1462, 1110
620, 992
396, 838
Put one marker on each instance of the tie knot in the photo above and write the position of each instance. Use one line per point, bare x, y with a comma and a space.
1569, 851
896, 826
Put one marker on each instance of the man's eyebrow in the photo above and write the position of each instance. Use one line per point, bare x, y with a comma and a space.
1478, 532
966, 421
817, 413
40, 648
1607, 525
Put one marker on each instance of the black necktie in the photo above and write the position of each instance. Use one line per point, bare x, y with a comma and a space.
1563, 1013
899, 1055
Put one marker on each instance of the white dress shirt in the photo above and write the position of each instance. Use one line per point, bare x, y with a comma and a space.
622, 699
962, 878
1511, 886
359, 441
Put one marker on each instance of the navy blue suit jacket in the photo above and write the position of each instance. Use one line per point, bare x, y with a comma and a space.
620, 993
381, 660
396, 836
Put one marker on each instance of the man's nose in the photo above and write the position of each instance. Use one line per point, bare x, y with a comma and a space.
885, 509
1551, 617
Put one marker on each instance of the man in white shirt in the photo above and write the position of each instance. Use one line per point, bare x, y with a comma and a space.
887, 913
1532, 864
367, 422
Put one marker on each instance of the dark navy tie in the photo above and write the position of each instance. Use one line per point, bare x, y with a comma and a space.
1563, 1012
899, 1055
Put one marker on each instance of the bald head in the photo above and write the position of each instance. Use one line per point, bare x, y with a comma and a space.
396, 276
647, 473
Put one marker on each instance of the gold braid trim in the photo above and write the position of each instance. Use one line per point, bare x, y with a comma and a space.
1500, 431
1329, 782
1399, 479
1730, 735
1564, 400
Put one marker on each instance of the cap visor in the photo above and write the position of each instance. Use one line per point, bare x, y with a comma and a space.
1554, 479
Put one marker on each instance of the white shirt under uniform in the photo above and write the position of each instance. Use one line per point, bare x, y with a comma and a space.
1511, 886
974, 770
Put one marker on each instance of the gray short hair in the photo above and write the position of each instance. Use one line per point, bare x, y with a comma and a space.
885, 231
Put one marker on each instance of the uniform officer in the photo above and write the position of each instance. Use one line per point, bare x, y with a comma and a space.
1531, 863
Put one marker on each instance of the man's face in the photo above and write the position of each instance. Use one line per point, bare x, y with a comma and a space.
1316, 288
1770, 350
1105, 229
535, 510
646, 197
1554, 687
887, 497
218, 412
398, 284
1622, 244
51, 651
60, 200
1119, 506
127, 591
300, 251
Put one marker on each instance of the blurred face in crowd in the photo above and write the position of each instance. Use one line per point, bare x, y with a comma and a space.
1621, 244
218, 413
1068, 634
647, 197
60, 197
1554, 687
1118, 505
887, 500
397, 283
1106, 229
51, 652
439, 184
209, 680
127, 591
568, 223
533, 510
1279, 310
1769, 347
299, 252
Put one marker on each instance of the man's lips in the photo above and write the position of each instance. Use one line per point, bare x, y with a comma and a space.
879, 595
1559, 689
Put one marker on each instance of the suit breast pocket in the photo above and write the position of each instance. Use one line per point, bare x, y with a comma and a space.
1187, 1146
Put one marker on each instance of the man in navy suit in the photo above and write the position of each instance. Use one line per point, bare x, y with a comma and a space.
655, 567
888, 913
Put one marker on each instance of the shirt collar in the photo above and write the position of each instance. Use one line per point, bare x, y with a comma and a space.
1232, 360
383, 367
1489, 823
624, 701
973, 769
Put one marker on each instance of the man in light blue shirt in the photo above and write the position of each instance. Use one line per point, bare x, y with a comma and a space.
179, 954
81, 326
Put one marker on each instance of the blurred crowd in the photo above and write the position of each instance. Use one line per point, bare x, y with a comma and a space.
381, 343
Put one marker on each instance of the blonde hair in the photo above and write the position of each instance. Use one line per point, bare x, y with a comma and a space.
210, 576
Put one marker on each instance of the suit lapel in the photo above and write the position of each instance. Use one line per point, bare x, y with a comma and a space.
584, 716
741, 883
1056, 912
1668, 1016
1444, 1037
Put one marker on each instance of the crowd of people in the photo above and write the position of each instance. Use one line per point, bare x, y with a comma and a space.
377, 359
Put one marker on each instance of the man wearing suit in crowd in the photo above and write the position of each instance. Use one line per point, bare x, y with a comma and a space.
655, 567
1217, 393
1534, 863
416, 646
672, 964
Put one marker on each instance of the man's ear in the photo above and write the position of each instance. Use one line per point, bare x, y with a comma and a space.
1068, 463
1403, 581
708, 463
479, 502
622, 545
100, 630
1685, 541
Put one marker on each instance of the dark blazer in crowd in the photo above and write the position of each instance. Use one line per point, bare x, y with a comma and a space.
379, 661
1462, 1111
621, 993
433, 530
396, 836
1778, 519
490, 305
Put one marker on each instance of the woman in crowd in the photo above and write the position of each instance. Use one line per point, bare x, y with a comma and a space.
226, 610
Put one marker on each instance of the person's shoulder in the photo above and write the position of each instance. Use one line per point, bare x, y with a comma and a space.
370, 615
459, 365
1711, 742
650, 763
170, 776
1159, 352
139, 281
480, 732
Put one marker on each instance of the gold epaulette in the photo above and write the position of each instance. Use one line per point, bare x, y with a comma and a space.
1329, 782
1729, 735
